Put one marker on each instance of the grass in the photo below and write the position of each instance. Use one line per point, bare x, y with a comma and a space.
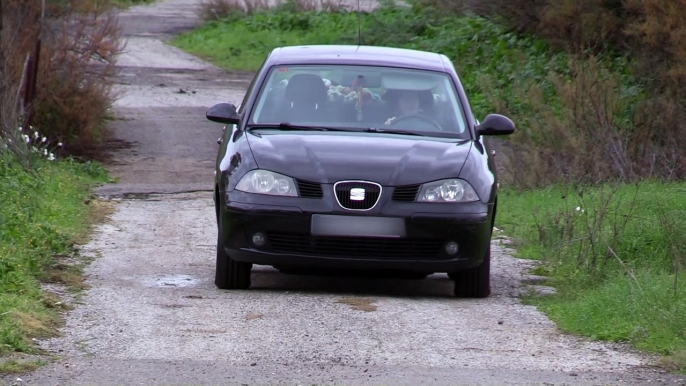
43, 214
632, 293
225, 43
13, 366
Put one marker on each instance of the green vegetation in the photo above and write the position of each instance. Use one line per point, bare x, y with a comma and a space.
618, 261
13, 366
243, 44
502, 72
45, 200
477, 46
42, 214
612, 253
129, 3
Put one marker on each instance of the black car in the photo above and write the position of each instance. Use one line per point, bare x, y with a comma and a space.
354, 157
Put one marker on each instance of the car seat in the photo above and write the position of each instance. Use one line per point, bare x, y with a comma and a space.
305, 99
426, 102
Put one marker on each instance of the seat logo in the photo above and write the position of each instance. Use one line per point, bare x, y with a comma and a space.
357, 194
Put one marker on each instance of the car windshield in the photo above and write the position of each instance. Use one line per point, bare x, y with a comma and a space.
361, 97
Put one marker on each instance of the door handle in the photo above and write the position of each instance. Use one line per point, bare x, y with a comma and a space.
220, 140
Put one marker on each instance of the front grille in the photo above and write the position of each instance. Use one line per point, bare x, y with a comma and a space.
372, 192
309, 189
355, 247
406, 193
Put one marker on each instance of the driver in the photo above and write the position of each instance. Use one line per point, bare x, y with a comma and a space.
404, 103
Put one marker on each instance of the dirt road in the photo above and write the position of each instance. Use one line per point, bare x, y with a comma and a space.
153, 316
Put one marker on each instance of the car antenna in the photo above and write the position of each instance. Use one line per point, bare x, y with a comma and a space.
359, 25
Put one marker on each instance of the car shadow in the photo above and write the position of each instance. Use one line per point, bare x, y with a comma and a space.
266, 278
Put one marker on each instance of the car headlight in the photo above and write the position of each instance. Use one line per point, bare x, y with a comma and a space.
266, 182
451, 190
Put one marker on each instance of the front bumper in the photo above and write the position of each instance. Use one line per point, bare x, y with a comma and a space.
287, 224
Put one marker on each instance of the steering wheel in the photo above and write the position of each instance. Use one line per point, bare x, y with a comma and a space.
419, 117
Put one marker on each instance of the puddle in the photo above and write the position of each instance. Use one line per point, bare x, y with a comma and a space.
171, 281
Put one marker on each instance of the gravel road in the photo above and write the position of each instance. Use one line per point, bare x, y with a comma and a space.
153, 316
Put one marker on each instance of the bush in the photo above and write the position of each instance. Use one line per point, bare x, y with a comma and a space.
213, 10
76, 74
79, 44
14, 47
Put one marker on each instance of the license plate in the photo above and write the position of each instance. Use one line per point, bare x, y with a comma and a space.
357, 226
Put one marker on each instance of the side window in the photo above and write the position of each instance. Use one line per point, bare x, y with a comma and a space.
249, 91
272, 89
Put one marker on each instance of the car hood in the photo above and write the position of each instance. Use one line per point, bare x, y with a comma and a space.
391, 160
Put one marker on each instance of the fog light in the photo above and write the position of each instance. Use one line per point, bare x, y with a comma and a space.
259, 239
451, 248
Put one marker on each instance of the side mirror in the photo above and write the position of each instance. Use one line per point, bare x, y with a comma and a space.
223, 113
496, 124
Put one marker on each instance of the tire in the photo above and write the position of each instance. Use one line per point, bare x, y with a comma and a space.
230, 274
474, 282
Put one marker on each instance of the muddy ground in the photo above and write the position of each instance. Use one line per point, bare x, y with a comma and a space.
153, 316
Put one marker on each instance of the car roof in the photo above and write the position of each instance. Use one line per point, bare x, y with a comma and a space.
360, 55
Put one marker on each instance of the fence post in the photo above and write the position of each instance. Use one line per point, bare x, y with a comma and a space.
30, 85
32, 73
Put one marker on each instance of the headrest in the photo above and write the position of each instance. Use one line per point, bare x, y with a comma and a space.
306, 87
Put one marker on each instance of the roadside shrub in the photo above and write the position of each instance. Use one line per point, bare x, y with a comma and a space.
309, 5
616, 109
76, 74
79, 44
647, 29
518, 15
214, 10
15, 16
659, 28
127, 3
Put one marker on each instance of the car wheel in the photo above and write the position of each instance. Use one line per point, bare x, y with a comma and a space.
230, 274
474, 282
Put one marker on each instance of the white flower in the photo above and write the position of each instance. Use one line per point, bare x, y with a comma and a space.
26, 138
36, 134
59, 144
45, 152
45, 139
51, 157
21, 128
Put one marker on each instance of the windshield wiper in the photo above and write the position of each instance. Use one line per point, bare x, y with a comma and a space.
288, 126
386, 131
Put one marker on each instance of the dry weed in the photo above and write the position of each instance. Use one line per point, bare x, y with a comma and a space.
79, 42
